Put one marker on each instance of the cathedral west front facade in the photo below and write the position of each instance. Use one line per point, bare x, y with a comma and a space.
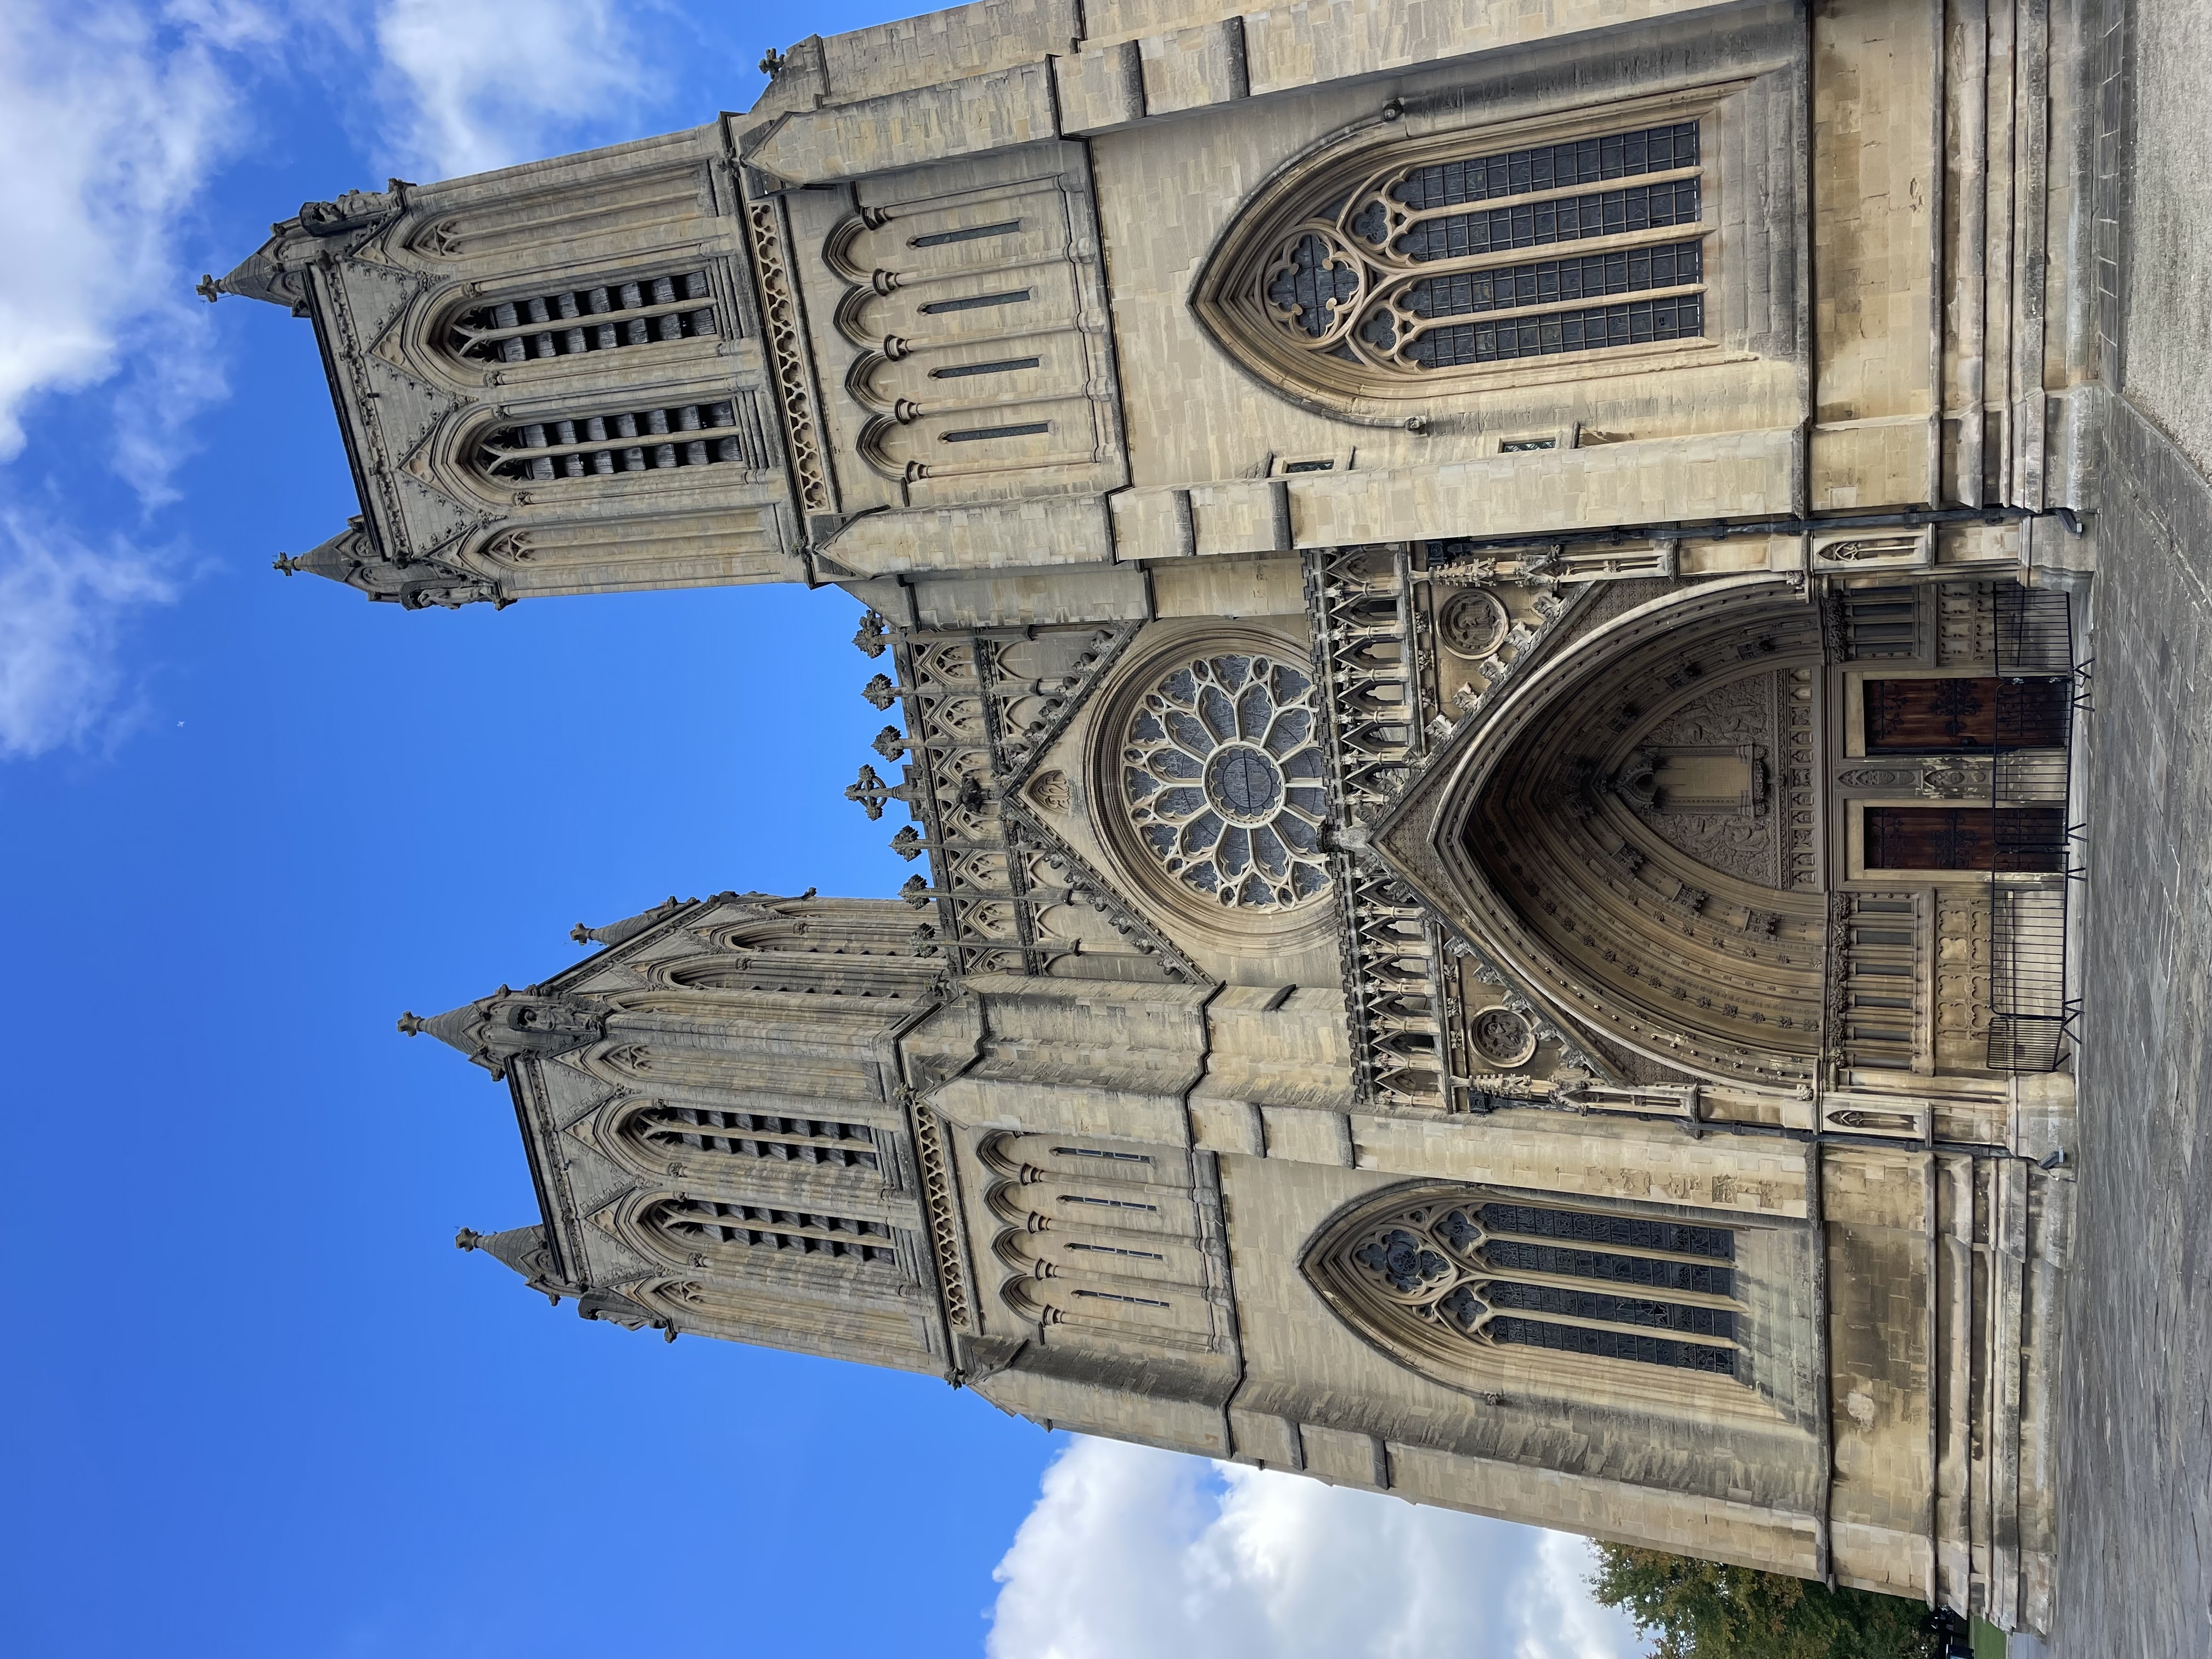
1478, 610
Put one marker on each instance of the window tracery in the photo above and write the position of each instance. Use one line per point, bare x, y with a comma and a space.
1222, 770
1380, 279
1449, 1276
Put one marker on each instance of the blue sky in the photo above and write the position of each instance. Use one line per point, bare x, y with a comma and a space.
254, 1402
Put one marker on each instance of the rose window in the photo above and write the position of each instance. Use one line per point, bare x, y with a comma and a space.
1222, 766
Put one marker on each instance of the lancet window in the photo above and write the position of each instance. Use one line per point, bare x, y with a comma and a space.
1450, 1278
601, 317
700, 1229
662, 1127
1408, 269
629, 441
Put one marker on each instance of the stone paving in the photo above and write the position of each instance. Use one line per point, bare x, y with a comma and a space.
2135, 1515
2134, 1510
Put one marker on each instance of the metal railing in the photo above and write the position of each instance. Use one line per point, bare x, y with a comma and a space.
2031, 1012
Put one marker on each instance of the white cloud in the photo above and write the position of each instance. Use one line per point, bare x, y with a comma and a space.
111, 120
63, 607
1132, 1554
476, 84
115, 117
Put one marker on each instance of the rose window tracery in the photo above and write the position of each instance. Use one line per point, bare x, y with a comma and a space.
1222, 769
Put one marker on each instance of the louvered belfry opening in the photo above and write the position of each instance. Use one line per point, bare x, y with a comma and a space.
632, 441
598, 319
691, 1223
757, 1134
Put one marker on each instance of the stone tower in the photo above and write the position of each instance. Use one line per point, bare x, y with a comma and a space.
1477, 603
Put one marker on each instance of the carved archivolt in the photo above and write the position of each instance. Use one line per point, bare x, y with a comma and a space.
1635, 836
1440, 1276
1396, 270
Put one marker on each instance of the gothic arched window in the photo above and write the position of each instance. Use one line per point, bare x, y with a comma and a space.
602, 317
626, 441
1441, 1276
663, 1129
704, 1232
1393, 272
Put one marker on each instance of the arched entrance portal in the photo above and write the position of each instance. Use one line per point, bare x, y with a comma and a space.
1635, 836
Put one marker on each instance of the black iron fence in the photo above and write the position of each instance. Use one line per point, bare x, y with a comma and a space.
2030, 1010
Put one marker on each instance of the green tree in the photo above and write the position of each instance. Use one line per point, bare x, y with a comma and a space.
1703, 1610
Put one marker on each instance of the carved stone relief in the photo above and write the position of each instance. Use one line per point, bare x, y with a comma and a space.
1736, 718
1472, 623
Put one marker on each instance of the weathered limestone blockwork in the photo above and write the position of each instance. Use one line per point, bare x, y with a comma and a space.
1476, 616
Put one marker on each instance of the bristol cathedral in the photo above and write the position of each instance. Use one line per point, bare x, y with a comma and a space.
1476, 612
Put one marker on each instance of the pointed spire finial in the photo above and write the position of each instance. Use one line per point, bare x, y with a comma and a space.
468, 1239
457, 1027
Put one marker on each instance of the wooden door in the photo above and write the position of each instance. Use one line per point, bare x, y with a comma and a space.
1943, 716
2010, 838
